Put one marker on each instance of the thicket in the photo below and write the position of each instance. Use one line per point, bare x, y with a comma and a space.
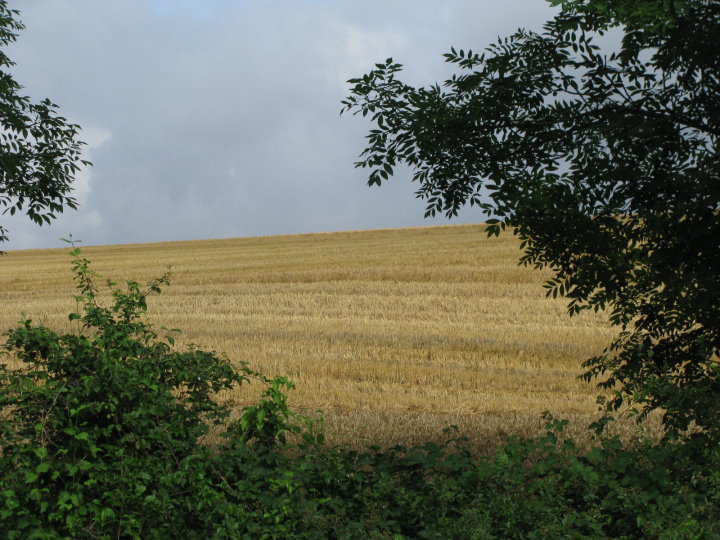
102, 434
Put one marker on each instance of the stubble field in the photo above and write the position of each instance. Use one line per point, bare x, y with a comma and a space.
394, 334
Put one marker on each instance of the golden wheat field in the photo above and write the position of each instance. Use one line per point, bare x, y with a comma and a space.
395, 334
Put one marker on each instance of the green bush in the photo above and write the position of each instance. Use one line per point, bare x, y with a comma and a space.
101, 436
543, 488
101, 428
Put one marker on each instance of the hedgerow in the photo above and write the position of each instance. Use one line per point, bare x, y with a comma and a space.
103, 429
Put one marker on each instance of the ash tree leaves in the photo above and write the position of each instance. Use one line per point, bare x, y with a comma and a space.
603, 162
39, 150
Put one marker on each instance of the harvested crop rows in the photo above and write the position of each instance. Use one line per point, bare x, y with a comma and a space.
394, 334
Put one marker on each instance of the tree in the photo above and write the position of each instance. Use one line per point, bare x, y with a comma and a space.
604, 163
39, 150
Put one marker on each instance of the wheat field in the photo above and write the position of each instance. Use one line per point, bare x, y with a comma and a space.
394, 334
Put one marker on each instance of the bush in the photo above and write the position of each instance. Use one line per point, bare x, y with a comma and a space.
101, 433
102, 429
544, 488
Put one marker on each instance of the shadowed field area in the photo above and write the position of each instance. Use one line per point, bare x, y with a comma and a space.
394, 334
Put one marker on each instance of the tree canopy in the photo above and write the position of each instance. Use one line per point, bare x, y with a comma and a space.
604, 161
39, 150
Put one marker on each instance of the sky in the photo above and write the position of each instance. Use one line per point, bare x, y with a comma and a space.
220, 118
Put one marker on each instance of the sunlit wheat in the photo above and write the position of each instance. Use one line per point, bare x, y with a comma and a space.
394, 334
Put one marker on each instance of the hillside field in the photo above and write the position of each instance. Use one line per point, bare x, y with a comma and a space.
395, 334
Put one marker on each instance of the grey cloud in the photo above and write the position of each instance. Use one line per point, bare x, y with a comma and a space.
221, 118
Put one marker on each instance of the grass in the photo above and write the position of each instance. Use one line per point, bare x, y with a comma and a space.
394, 334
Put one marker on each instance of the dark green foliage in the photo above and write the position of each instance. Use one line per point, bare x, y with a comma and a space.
102, 428
543, 488
104, 423
39, 150
101, 437
605, 165
657, 16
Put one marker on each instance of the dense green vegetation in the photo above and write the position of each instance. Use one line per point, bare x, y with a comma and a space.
102, 430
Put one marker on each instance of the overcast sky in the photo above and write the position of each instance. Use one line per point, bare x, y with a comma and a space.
220, 118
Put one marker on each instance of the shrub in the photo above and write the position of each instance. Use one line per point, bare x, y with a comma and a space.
544, 488
101, 437
101, 428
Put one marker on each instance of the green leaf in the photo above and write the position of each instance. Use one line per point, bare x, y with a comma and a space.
30, 477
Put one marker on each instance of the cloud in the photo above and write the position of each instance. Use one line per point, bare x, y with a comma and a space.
221, 118
93, 138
